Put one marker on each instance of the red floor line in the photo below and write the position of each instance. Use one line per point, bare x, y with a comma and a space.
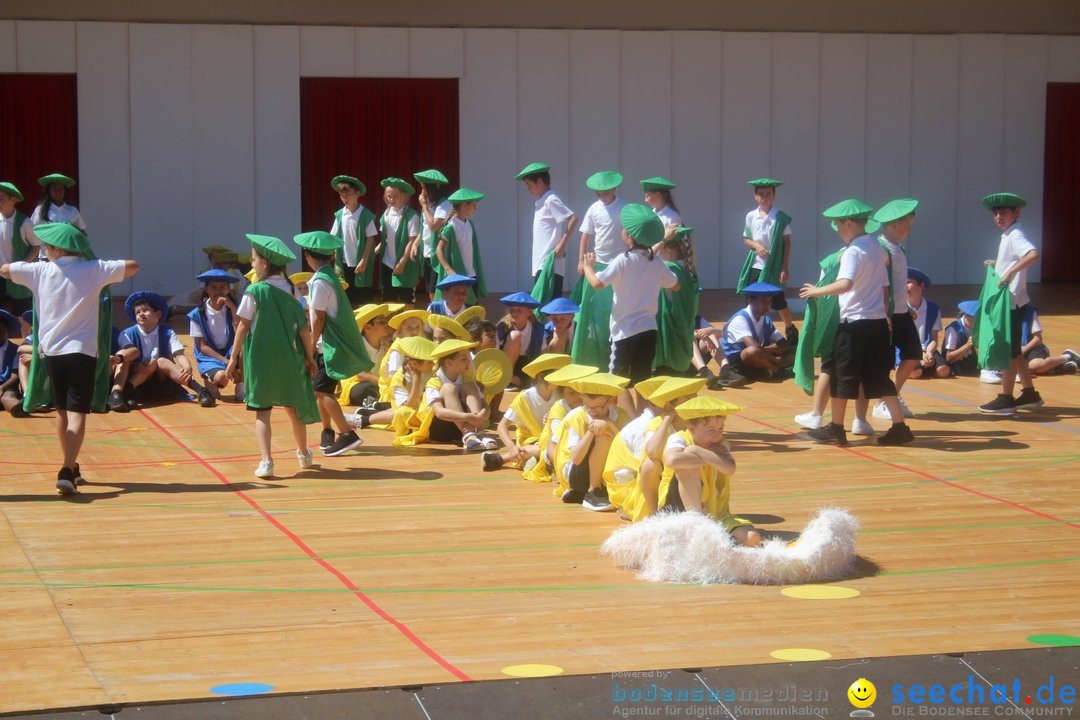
950, 483
398, 625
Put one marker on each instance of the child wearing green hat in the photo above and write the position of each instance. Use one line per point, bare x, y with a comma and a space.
458, 249
17, 242
399, 228
657, 195
68, 336
355, 225
601, 234
553, 223
275, 338
767, 232
863, 354
54, 207
677, 310
1015, 255
435, 209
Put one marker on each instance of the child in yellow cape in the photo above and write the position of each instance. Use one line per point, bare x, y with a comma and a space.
540, 471
407, 413
587, 433
698, 466
633, 466
526, 415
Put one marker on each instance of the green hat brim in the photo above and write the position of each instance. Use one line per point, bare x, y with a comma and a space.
48, 180
463, 195
657, 184
641, 224
398, 184
432, 176
895, 209
765, 182
64, 236
532, 169
319, 241
273, 249
604, 180
11, 190
350, 180
1004, 199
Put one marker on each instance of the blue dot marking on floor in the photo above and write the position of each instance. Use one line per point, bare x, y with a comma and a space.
241, 689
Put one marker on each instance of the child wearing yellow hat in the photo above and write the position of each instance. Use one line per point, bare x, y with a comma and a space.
405, 324
586, 437
355, 225
363, 389
526, 415
405, 390
548, 442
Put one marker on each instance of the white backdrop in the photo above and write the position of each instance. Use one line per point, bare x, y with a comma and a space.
189, 134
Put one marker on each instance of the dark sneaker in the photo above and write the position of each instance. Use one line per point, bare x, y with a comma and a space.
65, 482
573, 497
1069, 368
79, 479
792, 335
1001, 404
597, 500
729, 377
132, 403
345, 442
206, 399
831, 433
1029, 398
492, 461
898, 434
326, 439
19, 412
1072, 355
116, 402
380, 406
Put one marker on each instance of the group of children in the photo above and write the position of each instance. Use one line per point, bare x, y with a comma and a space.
608, 405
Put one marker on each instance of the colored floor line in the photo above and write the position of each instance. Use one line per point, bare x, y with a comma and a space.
1023, 418
344, 579
928, 476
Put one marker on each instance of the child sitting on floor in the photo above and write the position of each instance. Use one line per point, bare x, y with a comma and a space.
212, 329
959, 342
928, 323
586, 438
560, 326
548, 442
1037, 353
526, 415
10, 389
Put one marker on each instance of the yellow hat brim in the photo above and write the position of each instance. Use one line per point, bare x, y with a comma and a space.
367, 313
493, 370
449, 347
396, 321
418, 348
547, 361
471, 313
701, 407
601, 384
676, 388
299, 278
449, 324
648, 386
568, 373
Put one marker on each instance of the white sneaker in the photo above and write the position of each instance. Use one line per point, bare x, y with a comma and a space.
861, 427
305, 460
490, 443
881, 411
809, 420
354, 420
265, 469
904, 409
530, 464
990, 377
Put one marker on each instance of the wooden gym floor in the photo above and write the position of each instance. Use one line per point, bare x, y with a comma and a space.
176, 574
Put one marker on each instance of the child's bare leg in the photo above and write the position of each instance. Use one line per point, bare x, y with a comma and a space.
10, 399
839, 410
597, 460
903, 372
299, 430
626, 402
383, 417
690, 489
70, 430
861, 405
472, 397
142, 373
452, 401
120, 375
330, 412
262, 432
649, 484
1043, 366
746, 535
822, 392
512, 348
892, 402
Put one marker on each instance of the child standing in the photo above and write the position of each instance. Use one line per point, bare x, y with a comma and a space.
54, 207
213, 328
68, 321
399, 229
553, 223
601, 229
677, 313
1015, 255
767, 232
17, 242
355, 225
435, 209
275, 339
458, 249
658, 197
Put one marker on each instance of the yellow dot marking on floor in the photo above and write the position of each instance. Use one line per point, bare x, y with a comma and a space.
800, 654
168, 464
532, 670
819, 592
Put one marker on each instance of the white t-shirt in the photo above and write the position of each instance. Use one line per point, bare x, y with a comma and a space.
550, 216
538, 406
920, 321
1014, 246
951, 340
637, 281
7, 230
669, 216
864, 263
248, 305
604, 223
899, 276
401, 394
738, 328
675, 440
392, 218
428, 238
374, 353
65, 213
216, 323
321, 296
348, 233
463, 232
148, 343
759, 228
635, 433
432, 395
67, 293
394, 360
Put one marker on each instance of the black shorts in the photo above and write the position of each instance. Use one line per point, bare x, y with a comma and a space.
444, 431
1039, 352
633, 357
357, 295
967, 367
864, 357
578, 477
1016, 323
905, 337
323, 383
390, 293
72, 378
828, 365
362, 390
779, 302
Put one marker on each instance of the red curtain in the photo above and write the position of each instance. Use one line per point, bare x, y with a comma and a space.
39, 132
1061, 184
372, 128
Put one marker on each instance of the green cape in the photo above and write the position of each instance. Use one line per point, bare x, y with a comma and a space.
991, 333
592, 334
819, 325
453, 256
775, 262
367, 278
411, 274
343, 346
675, 318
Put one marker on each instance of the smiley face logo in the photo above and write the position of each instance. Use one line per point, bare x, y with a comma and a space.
862, 693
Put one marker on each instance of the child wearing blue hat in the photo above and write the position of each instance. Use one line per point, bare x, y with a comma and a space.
927, 317
455, 294
152, 366
560, 329
10, 391
753, 348
519, 334
959, 343
212, 329
1040, 359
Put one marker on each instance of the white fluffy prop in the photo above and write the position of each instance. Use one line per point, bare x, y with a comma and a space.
691, 547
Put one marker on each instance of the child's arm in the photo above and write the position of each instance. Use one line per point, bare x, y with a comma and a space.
842, 285
509, 446
208, 350
1035, 341
560, 247
693, 457
654, 446
365, 257
243, 326
317, 326
578, 451
444, 413
440, 252
185, 366
1023, 263
589, 260
586, 238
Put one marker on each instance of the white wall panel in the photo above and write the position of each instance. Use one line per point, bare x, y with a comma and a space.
1025, 130
45, 47
543, 128
161, 163
793, 150
104, 139
745, 139
223, 115
594, 123
935, 107
645, 102
382, 52
489, 154
327, 51
277, 131
8, 57
1064, 58
436, 52
888, 119
842, 118
695, 154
